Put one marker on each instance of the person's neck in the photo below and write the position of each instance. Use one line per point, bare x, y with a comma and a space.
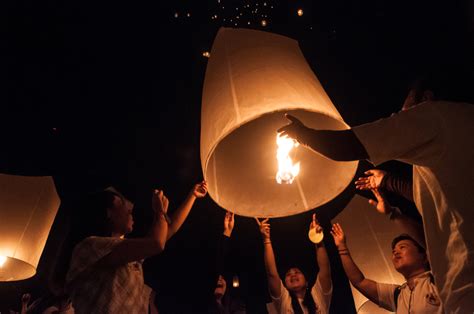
300, 293
410, 278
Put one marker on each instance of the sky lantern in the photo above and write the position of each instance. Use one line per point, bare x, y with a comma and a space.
369, 233
252, 79
28, 206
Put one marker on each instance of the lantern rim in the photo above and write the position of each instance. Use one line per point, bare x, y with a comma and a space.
15, 269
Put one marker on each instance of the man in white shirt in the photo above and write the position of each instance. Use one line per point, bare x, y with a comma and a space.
434, 137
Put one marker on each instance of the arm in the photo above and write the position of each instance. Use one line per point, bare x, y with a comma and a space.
366, 286
336, 145
223, 245
379, 179
269, 259
130, 250
179, 216
322, 260
406, 223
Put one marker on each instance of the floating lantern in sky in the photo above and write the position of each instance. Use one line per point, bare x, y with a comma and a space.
206, 54
176, 15
264, 23
300, 12
252, 79
28, 206
235, 281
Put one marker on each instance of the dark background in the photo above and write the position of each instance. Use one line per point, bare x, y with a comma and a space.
99, 93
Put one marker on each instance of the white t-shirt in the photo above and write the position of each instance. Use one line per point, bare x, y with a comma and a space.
436, 138
423, 299
321, 298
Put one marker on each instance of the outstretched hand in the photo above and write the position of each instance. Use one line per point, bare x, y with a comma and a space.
381, 203
294, 129
228, 223
264, 228
159, 201
338, 235
200, 190
371, 181
315, 224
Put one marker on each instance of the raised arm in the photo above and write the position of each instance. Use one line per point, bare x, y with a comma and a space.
366, 286
129, 250
322, 259
269, 258
382, 180
179, 216
336, 145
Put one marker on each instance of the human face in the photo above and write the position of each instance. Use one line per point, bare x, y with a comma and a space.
295, 280
220, 287
120, 215
407, 259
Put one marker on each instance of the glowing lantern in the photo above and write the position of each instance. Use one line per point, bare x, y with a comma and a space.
369, 234
300, 12
264, 23
206, 54
235, 281
28, 206
252, 79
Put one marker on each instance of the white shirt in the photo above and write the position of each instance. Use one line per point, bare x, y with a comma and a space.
321, 298
436, 138
423, 299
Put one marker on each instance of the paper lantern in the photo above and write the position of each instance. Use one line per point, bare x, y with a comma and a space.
252, 79
369, 234
28, 206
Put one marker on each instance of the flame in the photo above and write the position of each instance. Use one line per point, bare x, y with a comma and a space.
286, 170
3, 259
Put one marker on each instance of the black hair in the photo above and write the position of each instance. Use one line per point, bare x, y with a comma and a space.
308, 300
405, 236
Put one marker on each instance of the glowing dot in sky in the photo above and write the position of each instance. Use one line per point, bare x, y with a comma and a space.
264, 23
248, 23
176, 15
188, 15
206, 54
300, 12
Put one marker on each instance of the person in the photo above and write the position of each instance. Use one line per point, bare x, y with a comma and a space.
293, 295
225, 303
433, 136
105, 273
417, 295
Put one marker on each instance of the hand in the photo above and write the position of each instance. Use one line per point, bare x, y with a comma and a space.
315, 224
200, 190
381, 204
372, 181
264, 228
293, 129
25, 298
159, 202
338, 235
228, 223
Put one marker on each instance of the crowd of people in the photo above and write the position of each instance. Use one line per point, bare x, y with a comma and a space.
434, 252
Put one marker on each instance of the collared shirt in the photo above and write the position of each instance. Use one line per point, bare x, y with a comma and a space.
119, 289
422, 299
321, 298
436, 138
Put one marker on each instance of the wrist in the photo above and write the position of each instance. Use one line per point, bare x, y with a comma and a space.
227, 233
267, 240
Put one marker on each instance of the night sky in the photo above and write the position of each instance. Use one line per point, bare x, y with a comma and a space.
100, 93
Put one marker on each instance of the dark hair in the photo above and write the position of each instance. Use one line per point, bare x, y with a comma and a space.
405, 236
308, 300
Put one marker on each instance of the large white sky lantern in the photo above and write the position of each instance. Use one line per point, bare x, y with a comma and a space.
252, 79
28, 206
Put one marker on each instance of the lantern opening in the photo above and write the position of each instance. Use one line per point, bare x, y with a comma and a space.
287, 172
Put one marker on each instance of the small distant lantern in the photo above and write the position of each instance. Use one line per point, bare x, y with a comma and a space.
235, 281
176, 15
264, 23
253, 78
28, 206
188, 15
206, 54
300, 12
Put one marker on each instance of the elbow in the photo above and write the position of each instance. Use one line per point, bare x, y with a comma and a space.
158, 246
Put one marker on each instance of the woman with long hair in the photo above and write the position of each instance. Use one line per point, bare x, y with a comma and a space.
292, 295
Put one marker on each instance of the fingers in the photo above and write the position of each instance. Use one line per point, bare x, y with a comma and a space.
292, 118
258, 221
370, 172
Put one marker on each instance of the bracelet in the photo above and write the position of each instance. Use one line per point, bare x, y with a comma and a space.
343, 253
267, 242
